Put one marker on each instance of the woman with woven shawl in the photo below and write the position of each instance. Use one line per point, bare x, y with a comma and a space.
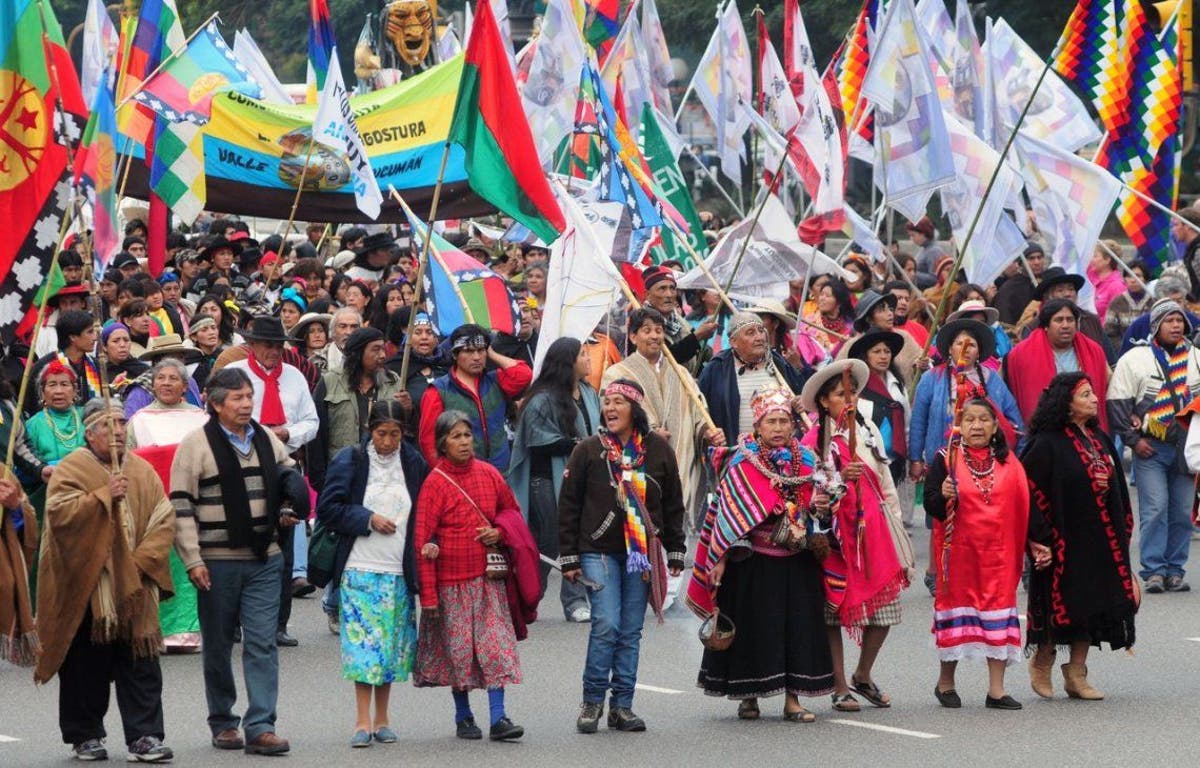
870, 554
18, 543
103, 567
1082, 515
769, 586
979, 498
621, 503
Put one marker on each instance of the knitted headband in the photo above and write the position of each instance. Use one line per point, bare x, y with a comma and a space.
625, 391
100, 414
769, 401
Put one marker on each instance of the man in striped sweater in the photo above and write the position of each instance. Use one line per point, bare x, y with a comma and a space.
231, 484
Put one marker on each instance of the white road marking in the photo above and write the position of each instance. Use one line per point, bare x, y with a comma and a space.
5, 739
887, 729
655, 689
1193, 639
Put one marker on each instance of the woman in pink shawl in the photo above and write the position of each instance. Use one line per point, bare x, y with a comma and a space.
871, 555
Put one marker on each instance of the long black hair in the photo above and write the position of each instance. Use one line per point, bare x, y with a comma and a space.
1053, 412
377, 313
823, 414
999, 443
841, 294
225, 327
557, 381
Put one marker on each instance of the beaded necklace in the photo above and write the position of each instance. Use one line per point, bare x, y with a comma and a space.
982, 470
63, 437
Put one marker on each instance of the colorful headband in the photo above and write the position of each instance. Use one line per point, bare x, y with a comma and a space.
624, 390
422, 318
54, 368
770, 401
474, 341
294, 296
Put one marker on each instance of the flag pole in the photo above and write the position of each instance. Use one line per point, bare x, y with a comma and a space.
170, 57
1146, 198
422, 261
962, 251
1124, 267
287, 230
753, 224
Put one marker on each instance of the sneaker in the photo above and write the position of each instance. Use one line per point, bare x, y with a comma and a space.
149, 749
92, 749
505, 730
334, 624
623, 719
1177, 584
580, 615
466, 729
1155, 585
589, 717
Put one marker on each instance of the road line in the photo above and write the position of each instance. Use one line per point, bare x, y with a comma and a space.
5, 739
655, 689
887, 729
1193, 639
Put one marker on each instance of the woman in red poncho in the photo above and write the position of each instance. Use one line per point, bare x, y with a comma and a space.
981, 512
871, 555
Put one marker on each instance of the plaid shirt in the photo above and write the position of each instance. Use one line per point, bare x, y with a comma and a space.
447, 517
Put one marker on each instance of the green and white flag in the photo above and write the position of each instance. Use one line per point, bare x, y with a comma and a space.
674, 189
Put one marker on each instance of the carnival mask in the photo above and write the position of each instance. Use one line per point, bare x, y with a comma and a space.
410, 28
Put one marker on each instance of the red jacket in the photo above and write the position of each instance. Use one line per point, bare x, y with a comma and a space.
524, 584
1029, 367
512, 382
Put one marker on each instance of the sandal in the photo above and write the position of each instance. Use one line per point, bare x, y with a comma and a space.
845, 702
801, 715
872, 693
748, 709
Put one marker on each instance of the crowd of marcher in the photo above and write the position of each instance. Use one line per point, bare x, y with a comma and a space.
197, 449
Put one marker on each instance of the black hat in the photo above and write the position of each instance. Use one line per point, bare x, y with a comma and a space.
124, 259
268, 329
982, 334
867, 303
1056, 276
860, 346
219, 242
357, 341
1032, 247
375, 242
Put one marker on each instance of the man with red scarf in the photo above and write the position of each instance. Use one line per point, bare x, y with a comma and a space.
284, 405
1055, 347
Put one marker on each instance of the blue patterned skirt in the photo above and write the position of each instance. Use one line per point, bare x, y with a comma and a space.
379, 635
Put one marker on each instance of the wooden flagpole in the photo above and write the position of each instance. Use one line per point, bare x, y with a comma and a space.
754, 223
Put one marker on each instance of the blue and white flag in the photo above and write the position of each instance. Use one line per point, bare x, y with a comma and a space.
334, 126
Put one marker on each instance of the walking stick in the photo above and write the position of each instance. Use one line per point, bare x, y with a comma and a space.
952, 449
850, 414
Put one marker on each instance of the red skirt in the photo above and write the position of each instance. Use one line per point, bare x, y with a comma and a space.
471, 644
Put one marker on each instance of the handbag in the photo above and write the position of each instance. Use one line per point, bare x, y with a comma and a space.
322, 554
496, 567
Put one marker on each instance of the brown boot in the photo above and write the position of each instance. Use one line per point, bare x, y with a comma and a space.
1076, 684
1040, 667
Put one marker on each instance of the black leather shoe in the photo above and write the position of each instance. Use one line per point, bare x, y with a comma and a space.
505, 730
284, 640
623, 719
1004, 702
466, 729
948, 699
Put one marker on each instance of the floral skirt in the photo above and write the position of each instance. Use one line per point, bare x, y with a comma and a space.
378, 633
471, 644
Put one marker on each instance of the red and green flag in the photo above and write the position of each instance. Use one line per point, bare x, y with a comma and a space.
36, 75
489, 125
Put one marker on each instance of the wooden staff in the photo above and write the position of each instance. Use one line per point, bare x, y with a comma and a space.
89, 274
952, 449
850, 413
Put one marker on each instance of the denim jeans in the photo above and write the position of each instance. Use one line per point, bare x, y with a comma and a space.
618, 613
1164, 494
300, 552
250, 590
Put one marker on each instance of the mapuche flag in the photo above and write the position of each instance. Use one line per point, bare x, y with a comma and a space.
501, 159
36, 78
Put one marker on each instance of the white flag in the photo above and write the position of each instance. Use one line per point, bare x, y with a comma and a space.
859, 230
448, 45
246, 50
335, 127
1057, 115
939, 30
910, 131
722, 79
779, 105
99, 47
963, 201
582, 283
658, 57
627, 69
500, 11
967, 74
816, 149
551, 92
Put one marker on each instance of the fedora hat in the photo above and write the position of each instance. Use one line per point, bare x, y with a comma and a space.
981, 333
219, 242
774, 308
300, 329
863, 344
170, 345
266, 328
866, 305
375, 242
1056, 276
975, 307
858, 370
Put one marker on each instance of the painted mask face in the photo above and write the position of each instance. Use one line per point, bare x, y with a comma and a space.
410, 29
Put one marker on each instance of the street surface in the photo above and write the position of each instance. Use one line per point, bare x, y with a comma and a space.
1149, 717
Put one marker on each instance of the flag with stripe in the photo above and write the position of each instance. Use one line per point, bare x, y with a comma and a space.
157, 35
320, 48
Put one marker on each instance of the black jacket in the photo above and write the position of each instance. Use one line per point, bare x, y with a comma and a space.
718, 384
340, 504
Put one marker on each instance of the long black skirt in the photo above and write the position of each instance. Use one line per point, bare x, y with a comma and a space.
777, 605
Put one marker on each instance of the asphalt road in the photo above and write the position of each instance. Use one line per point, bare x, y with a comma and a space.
1147, 719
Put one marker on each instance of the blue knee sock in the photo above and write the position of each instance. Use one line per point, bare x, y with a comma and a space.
496, 703
462, 706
